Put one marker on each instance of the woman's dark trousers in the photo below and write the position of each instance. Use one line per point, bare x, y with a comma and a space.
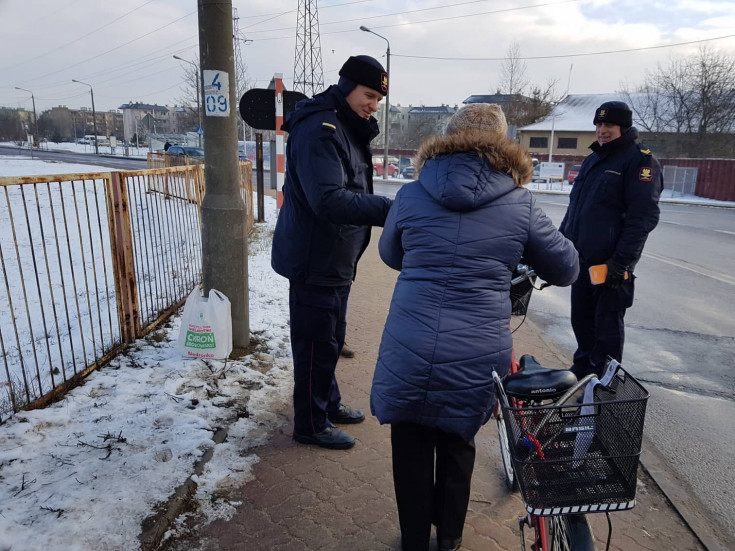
432, 471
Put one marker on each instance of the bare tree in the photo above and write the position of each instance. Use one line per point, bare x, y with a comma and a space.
188, 97
513, 79
531, 101
692, 97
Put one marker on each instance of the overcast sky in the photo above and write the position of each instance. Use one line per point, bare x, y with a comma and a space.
441, 51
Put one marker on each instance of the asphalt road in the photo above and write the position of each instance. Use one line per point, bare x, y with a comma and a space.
680, 342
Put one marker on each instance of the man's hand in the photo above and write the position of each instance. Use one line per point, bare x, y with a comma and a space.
615, 274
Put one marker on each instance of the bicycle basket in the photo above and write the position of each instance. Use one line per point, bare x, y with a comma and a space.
520, 295
568, 461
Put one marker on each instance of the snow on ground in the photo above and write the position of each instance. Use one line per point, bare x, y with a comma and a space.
83, 473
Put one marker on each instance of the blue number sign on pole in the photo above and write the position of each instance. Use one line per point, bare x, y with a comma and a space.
216, 93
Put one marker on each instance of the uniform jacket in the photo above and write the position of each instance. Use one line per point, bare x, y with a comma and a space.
328, 203
456, 235
614, 202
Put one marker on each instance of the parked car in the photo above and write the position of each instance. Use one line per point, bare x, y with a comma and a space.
408, 172
573, 173
185, 150
378, 168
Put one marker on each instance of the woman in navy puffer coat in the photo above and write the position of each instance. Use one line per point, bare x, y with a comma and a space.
456, 235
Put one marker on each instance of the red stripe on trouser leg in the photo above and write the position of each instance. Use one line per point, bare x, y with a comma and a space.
311, 396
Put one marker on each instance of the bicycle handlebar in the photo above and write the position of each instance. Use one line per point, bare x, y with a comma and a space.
524, 272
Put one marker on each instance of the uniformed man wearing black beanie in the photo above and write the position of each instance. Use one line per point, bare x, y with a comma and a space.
612, 209
322, 230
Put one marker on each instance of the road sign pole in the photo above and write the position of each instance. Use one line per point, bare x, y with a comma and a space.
280, 159
224, 217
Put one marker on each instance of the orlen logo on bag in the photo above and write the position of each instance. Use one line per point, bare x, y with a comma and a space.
200, 340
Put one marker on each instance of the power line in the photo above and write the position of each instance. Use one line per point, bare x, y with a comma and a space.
113, 49
57, 48
559, 56
447, 18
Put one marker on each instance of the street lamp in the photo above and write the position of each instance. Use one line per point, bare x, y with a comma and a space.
387, 100
199, 106
35, 120
94, 115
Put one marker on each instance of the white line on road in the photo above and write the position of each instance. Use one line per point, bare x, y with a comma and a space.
701, 270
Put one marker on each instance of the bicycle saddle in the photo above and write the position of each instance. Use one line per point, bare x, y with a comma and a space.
536, 382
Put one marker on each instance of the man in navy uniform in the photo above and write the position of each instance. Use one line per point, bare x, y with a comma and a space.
322, 230
612, 209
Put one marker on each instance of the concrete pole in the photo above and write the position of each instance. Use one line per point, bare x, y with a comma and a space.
224, 218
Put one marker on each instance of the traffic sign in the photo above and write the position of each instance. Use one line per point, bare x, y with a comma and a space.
258, 107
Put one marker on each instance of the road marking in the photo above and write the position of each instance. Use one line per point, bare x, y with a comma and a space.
701, 270
725, 231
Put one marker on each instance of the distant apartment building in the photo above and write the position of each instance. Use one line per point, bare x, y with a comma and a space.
144, 119
69, 124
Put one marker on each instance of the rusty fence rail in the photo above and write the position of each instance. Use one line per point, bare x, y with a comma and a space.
91, 262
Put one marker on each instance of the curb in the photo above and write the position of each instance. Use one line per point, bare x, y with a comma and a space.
154, 527
684, 501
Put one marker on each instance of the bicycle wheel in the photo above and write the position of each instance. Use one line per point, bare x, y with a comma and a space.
510, 478
568, 533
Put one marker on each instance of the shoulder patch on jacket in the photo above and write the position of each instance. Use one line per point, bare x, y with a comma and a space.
645, 174
646, 151
329, 126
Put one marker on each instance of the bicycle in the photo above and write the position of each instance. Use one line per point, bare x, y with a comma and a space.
569, 457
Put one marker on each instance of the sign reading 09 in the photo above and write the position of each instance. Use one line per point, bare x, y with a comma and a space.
216, 93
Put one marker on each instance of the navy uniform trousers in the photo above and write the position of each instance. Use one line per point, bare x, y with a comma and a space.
597, 321
318, 325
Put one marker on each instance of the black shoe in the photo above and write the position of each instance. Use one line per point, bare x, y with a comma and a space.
331, 438
450, 545
346, 353
346, 416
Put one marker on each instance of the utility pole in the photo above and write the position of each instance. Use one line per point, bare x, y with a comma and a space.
308, 76
224, 218
35, 119
387, 101
94, 115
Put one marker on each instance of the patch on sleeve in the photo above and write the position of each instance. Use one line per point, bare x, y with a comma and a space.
330, 126
646, 174
646, 151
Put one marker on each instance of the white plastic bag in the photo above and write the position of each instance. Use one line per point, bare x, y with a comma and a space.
206, 326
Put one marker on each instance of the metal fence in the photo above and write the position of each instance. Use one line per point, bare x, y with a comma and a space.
679, 179
90, 262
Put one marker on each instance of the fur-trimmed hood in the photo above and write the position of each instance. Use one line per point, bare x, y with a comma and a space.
502, 153
464, 171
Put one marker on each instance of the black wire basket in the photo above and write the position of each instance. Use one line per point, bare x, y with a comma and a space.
520, 295
579, 459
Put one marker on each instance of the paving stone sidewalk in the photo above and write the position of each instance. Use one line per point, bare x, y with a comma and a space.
307, 498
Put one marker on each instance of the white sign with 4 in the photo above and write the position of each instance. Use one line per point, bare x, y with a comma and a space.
216, 93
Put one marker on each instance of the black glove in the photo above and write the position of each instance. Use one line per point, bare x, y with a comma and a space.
615, 274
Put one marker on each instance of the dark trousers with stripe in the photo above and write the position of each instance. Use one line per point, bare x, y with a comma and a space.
432, 471
318, 324
597, 321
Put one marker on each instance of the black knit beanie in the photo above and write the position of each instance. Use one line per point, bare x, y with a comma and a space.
614, 112
365, 70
